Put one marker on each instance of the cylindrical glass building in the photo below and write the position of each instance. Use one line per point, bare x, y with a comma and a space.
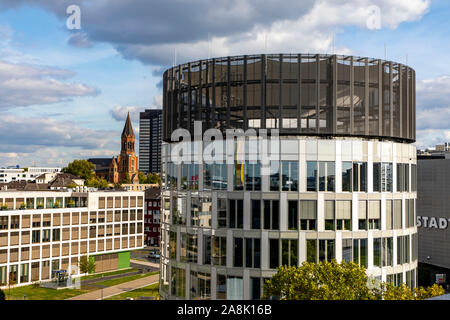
345, 187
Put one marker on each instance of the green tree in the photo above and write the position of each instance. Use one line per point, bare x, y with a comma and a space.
97, 182
403, 292
126, 179
322, 281
153, 178
80, 168
337, 281
142, 177
71, 185
86, 264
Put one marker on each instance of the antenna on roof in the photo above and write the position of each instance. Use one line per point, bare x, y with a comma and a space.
332, 36
265, 43
209, 46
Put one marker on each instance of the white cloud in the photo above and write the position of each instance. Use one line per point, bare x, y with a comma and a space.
26, 85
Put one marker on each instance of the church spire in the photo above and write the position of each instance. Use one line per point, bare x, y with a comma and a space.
128, 128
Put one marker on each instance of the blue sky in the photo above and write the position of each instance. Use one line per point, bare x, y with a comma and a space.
71, 96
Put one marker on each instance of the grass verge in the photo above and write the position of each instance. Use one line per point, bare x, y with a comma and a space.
113, 282
148, 291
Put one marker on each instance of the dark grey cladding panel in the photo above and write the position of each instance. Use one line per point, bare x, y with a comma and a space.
300, 94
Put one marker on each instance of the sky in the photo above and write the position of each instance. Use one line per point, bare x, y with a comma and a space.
65, 93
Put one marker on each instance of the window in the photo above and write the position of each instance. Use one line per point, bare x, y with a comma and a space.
200, 285
311, 176
329, 215
252, 252
397, 214
221, 213
387, 252
36, 236
325, 178
274, 253
382, 177
359, 176
347, 177
347, 250
238, 176
360, 252
215, 176
402, 177
374, 216
15, 221
389, 215
236, 214
219, 251
206, 249
46, 235
238, 252
252, 176
256, 214
271, 214
275, 175
413, 177
289, 252
56, 236
323, 252
3, 223
178, 279
289, 175
377, 252
308, 214
255, 288
293, 214
344, 215
403, 251
221, 287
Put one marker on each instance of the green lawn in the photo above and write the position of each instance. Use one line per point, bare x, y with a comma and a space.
34, 292
105, 274
148, 291
114, 282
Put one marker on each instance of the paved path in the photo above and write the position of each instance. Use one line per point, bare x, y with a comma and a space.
145, 263
118, 289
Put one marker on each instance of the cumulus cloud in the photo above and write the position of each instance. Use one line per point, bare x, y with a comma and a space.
26, 85
119, 113
79, 40
32, 133
151, 31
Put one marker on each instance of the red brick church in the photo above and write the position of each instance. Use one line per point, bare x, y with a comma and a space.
127, 161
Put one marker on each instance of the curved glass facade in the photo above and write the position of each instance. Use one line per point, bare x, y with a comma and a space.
344, 187
296, 93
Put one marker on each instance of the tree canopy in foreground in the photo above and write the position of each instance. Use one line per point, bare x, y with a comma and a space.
337, 281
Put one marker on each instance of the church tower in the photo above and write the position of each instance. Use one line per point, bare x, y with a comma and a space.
127, 161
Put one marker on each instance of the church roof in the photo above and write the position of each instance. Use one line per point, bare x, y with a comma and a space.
128, 128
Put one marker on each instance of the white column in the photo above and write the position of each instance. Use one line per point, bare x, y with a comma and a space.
338, 167
370, 249
264, 250
230, 246
246, 284
301, 247
320, 212
338, 246
247, 212
283, 211
354, 211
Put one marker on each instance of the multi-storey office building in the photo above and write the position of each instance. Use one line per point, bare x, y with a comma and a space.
345, 188
45, 231
150, 130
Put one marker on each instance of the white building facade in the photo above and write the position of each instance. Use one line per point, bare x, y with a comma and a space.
45, 231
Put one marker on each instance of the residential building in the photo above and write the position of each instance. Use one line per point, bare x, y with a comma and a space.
24, 174
45, 231
150, 131
152, 216
340, 182
138, 186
